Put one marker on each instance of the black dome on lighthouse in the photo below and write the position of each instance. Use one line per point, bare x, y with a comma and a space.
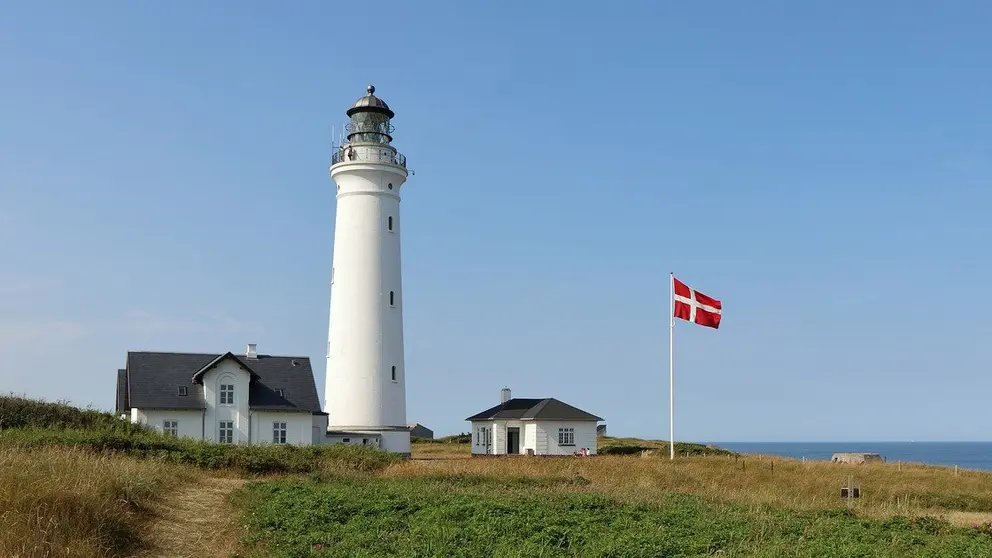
370, 103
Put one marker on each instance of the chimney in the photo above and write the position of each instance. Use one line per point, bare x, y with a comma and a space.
251, 352
504, 395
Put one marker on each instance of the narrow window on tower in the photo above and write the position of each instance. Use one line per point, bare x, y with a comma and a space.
394, 373
392, 298
389, 223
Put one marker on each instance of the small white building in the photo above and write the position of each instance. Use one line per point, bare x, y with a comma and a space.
533, 427
226, 398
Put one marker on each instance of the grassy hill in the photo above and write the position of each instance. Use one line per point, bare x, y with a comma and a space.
77, 482
82, 483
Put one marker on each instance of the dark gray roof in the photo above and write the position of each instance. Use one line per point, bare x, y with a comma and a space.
370, 103
151, 380
534, 409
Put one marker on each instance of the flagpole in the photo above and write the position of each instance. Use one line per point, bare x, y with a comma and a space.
671, 366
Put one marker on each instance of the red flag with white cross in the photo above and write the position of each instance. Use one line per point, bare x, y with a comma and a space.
693, 306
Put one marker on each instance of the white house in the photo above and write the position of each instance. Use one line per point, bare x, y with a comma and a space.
533, 427
227, 398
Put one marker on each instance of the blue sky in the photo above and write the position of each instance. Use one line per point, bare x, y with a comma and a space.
824, 168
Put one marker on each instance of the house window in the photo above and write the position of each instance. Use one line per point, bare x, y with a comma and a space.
226, 434
183, 390
170, 428
566, 436
394, 373
346, 440
483, 436
389, 223
227, 394
392, 298
278, 432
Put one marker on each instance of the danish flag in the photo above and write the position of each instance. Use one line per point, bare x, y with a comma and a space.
693, 306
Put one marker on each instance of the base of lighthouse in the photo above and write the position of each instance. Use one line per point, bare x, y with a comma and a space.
395, 442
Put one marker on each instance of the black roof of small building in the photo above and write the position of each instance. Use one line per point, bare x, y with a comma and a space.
151, 380
533, 409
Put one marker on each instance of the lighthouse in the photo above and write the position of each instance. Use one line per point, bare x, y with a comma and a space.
365, 389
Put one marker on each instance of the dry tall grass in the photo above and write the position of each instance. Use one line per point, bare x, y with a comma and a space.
887, 489
65, 502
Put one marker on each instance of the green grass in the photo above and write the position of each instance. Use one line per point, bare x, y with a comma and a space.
465, 517
609, 445
260, 459
21, 412
30, 424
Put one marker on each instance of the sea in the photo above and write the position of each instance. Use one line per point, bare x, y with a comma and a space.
966, 455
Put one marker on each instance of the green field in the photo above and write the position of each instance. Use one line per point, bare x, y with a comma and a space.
472, 517
82, 483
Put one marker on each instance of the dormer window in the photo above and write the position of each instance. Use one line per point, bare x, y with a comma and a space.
280, 393
183, 390
227, 394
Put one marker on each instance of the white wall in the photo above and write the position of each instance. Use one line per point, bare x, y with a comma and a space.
547, 437
299, 427
478, 445
190, 422
356, 439
501, 433
499, 438
227, 372
540, 436
529, 437
319, 429
365, 336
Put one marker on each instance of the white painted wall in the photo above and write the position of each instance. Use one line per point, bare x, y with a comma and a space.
365, 336
547, 437
499, 438
227, 371
356, 439
299, 427
319, 429
529, 437
540, 436
190, 422
478, 440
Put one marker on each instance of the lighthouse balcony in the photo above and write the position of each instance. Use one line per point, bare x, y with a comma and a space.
367, 154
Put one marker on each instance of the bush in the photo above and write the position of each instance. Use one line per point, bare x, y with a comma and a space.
256, 459
29, 424
463, 438
623, 450
681, 448
20, 412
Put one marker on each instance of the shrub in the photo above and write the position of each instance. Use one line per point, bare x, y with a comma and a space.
21, 412
681, 448
463, 438
255, 459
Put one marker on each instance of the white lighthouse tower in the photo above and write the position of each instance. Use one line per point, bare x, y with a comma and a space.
365, 390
